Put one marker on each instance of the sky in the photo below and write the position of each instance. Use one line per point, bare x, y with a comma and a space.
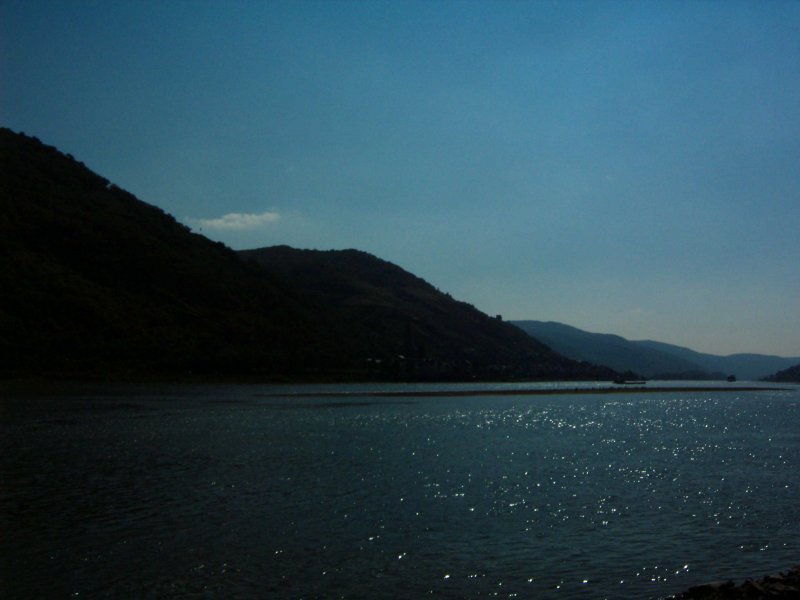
627, 167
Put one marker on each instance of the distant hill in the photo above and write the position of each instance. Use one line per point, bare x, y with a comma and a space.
651, 359
790, 375
610, 350
406, 316
96, 283
744, 366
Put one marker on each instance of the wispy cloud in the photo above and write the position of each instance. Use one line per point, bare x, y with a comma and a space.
237, 221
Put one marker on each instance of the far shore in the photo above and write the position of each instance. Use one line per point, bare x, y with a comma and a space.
68, 386
623, 389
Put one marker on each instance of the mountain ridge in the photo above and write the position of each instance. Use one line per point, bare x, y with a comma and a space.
652, 359
745, 365
100, 281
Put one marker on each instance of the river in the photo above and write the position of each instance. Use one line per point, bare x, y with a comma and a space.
253, 491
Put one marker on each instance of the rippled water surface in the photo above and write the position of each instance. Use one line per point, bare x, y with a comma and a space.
221, 492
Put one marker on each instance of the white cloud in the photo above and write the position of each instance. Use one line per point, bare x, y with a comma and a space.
237, 221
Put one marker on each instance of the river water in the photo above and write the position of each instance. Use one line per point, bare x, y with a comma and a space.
271, 492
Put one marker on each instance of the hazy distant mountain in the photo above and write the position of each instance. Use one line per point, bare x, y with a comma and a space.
651, 359
744, 366
95, 282
610, 350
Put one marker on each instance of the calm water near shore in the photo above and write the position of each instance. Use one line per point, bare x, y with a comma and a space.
258, 492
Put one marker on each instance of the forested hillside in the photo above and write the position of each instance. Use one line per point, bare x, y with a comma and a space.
95, 281
411, 324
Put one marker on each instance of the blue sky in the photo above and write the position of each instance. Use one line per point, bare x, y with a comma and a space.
624, 167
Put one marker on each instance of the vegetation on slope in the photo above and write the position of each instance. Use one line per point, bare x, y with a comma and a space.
410, 326
96, 281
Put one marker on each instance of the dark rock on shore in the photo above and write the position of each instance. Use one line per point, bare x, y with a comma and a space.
785, 586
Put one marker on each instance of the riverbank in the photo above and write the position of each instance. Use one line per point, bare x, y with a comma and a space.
453, 393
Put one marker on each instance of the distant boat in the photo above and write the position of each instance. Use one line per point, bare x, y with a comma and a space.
630, 381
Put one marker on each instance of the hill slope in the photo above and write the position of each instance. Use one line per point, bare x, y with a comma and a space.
96, 281
607, 349
744, 366
651, 359
404, 316
790, 375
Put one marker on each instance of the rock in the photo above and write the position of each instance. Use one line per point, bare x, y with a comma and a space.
785, 586
753, 589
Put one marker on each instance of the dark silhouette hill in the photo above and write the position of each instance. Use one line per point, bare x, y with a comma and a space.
790, 375
656, 360
97, 283
407, 317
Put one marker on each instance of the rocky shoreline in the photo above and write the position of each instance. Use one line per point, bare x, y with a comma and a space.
785, 586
